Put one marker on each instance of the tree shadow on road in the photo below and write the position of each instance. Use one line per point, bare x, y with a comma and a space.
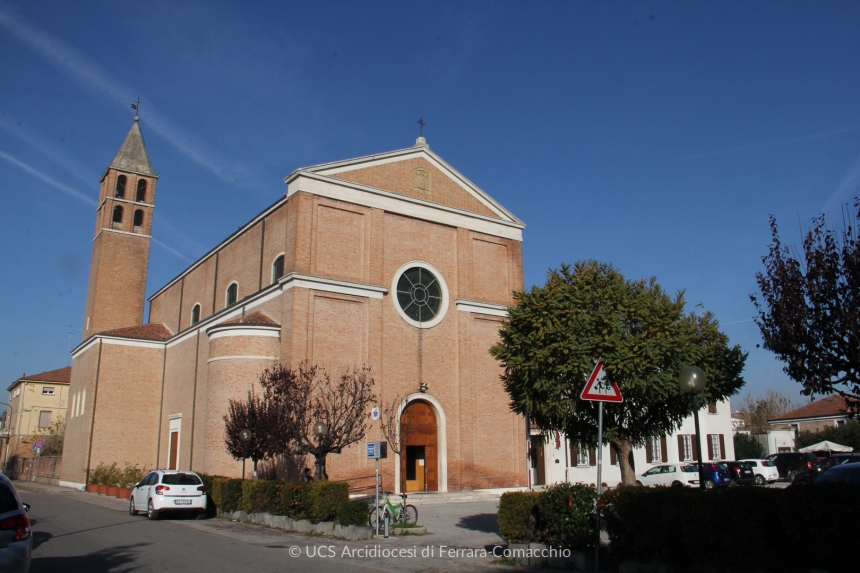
120, 559
486, 522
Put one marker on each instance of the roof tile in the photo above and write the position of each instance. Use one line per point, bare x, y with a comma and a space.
153, 331
834, 405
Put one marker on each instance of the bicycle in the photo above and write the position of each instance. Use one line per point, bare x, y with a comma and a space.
397, 512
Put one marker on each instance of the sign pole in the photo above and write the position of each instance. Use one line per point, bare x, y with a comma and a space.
377, 497
599, 485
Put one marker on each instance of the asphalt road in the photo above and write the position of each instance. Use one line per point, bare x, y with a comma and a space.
77, 532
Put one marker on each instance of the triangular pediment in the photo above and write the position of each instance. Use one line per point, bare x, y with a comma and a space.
419, 173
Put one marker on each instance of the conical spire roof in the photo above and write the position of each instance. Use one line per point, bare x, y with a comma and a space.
132, 154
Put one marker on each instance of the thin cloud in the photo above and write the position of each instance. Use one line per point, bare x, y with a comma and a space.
850, 185
70, 191
171, 250
772, 143
92, 77
49, 150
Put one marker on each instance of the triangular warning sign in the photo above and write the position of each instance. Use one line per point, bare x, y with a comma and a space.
600, 388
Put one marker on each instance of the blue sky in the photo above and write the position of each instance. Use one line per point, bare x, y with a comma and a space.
655, 136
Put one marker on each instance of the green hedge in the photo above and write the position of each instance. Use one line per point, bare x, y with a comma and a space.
745, 529
518, 516
316, 501
560, 516
353, 512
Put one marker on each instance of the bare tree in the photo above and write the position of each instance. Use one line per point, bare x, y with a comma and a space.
391, 427
268, 431
307, 396
756, 411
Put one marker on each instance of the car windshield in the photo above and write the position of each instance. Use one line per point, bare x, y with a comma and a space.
8, 501
753, 464
180, 479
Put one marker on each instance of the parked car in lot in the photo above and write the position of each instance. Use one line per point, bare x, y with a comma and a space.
845, 473
712, 473
765, 471
669, 474
16, 543
168, 491
789, 464
740, 473
807, 477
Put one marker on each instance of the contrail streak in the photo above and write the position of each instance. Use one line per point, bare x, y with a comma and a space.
53, 182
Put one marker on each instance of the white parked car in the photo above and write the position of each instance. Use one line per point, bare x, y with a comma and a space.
765, 471
168, 491
670, 474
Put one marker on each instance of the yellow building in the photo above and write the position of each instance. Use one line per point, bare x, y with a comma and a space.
35, 402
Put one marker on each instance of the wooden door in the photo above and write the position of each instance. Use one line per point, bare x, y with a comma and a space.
174, 451
538, 460
419, 431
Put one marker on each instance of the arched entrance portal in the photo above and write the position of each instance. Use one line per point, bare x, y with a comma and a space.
419, 469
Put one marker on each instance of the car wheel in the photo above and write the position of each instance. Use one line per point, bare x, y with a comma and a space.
676, 483
759, 479
800, 482
151, 513
131, 509
791, 474
709, 484
639, 483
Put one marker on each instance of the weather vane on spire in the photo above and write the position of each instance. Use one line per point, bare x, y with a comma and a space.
136, 106
421, 129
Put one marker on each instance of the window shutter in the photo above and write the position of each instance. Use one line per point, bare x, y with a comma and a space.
710, 447
574, 455
663, 449
712, 407
649, 453
613, 458
694, 443
723, 447
680, 447
592, 457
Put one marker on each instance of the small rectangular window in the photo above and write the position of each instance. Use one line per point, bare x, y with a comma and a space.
712, 407
45, 419
47, 391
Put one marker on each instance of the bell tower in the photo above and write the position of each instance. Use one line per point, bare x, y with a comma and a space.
117, 288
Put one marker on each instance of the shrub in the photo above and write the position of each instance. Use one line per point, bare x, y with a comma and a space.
227, 494
518, 516
106, 474
747, 447
291, 499
566, 515
353, 512
801, 528
131, 475
326, 497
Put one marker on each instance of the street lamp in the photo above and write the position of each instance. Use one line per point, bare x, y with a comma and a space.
692, 381
245, 436
320, 429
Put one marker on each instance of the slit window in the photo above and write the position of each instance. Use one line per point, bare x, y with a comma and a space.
232, 294
117, 214
141, 191
119, 192
278, 268
138, 218
195, 314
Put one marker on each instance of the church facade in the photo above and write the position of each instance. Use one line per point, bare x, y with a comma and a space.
394, 261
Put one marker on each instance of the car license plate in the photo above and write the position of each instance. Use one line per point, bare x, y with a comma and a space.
182, 502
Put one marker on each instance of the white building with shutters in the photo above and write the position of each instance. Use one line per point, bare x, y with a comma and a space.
561, 460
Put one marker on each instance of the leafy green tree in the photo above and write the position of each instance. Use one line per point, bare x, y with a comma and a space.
556, 333
756, 411
847, 434
747, 447
807, 313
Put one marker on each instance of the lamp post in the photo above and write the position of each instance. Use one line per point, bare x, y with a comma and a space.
692, 381
319, 429
245, 435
